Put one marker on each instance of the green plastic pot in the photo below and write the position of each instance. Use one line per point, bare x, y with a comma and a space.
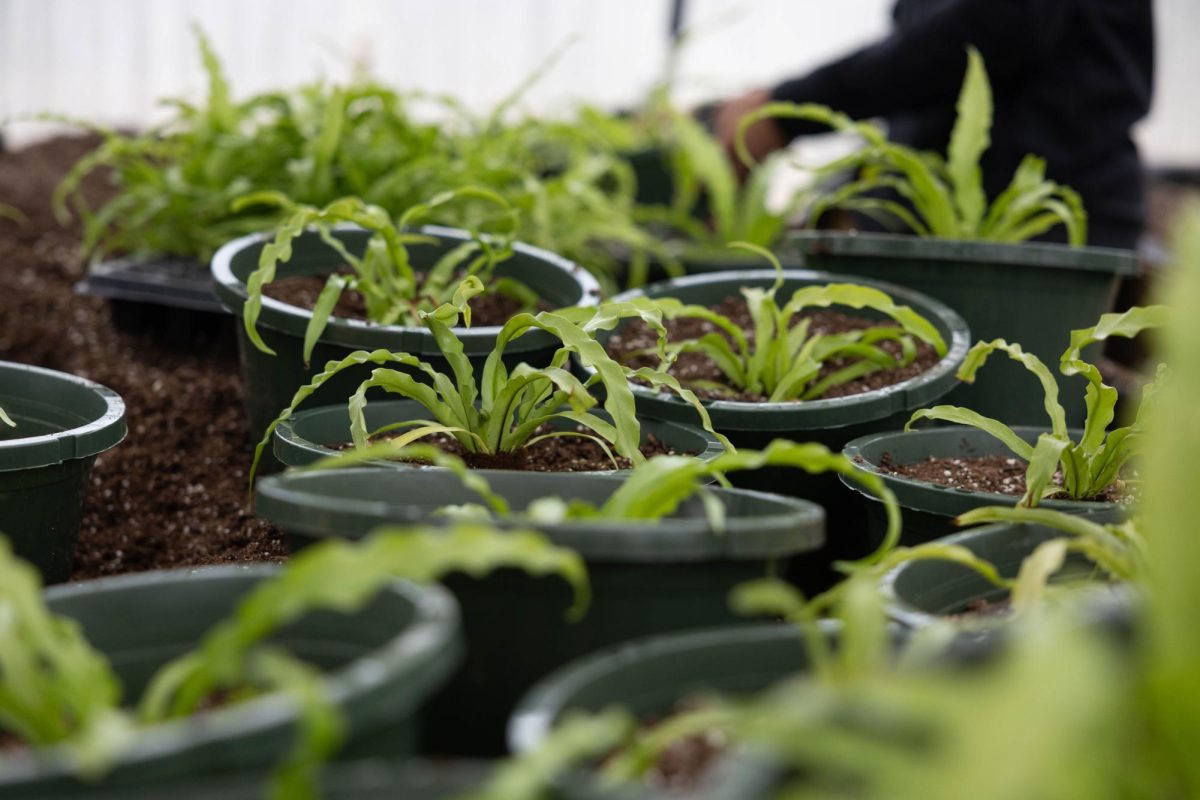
929, 509
920, 593
831, 422
62, 424
646, 577
375, 779
1034, 294
651, 677
383, 662
272, 380
309, 435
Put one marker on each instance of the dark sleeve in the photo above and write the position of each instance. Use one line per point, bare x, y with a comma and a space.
922, 63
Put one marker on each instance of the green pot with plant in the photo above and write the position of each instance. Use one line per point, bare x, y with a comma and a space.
323, 432
52, 428
148, 678
940, 473
662, 548
494, 416
366, 287
841, 360
652, 679
1029, 554
967, 252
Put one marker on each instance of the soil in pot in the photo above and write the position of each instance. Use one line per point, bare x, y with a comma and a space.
558, 454
174, 492
1001, 474
682, 765
634, 345
491, 308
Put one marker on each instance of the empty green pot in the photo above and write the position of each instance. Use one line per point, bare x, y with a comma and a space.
62, 424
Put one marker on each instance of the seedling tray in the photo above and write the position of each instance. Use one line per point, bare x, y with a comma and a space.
167, 295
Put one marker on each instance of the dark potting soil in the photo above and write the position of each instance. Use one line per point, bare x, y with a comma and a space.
173, 494
982, 607
683, 763
557, 454
302, 291
630, 343
999, 474
10, 743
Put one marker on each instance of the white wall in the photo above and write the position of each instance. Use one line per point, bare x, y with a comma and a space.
110, 60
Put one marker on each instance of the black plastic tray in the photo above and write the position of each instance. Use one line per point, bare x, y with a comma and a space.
165, 295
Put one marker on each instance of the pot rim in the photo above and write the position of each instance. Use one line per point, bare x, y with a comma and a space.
95, 436
1109, 260
794, 526
285, 435
289, 319
912, 489
857, 408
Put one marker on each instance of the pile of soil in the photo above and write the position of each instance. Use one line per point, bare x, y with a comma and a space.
998, 474
173, 494
302, 291
634, 343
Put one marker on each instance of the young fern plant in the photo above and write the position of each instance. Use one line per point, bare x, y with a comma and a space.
699, 168
781, 360
393, 290
1094, 462
503, 411
938, 197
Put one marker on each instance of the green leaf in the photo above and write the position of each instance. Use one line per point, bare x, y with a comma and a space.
576, 739
406, 451
965, 416
977, 356
654, 489
54, 687
1043, 462
332, 368
815, 458
968, 142
322, 310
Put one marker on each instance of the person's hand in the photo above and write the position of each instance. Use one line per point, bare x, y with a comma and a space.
762, 138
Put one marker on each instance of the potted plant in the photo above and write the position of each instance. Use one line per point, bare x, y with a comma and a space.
967, 253
1025, 548
766, 367
177, 183
940, 473
662, 549
281, 342
52, 428
493, 416
238, 667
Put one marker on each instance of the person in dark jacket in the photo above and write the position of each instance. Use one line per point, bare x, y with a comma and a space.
1069, 78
